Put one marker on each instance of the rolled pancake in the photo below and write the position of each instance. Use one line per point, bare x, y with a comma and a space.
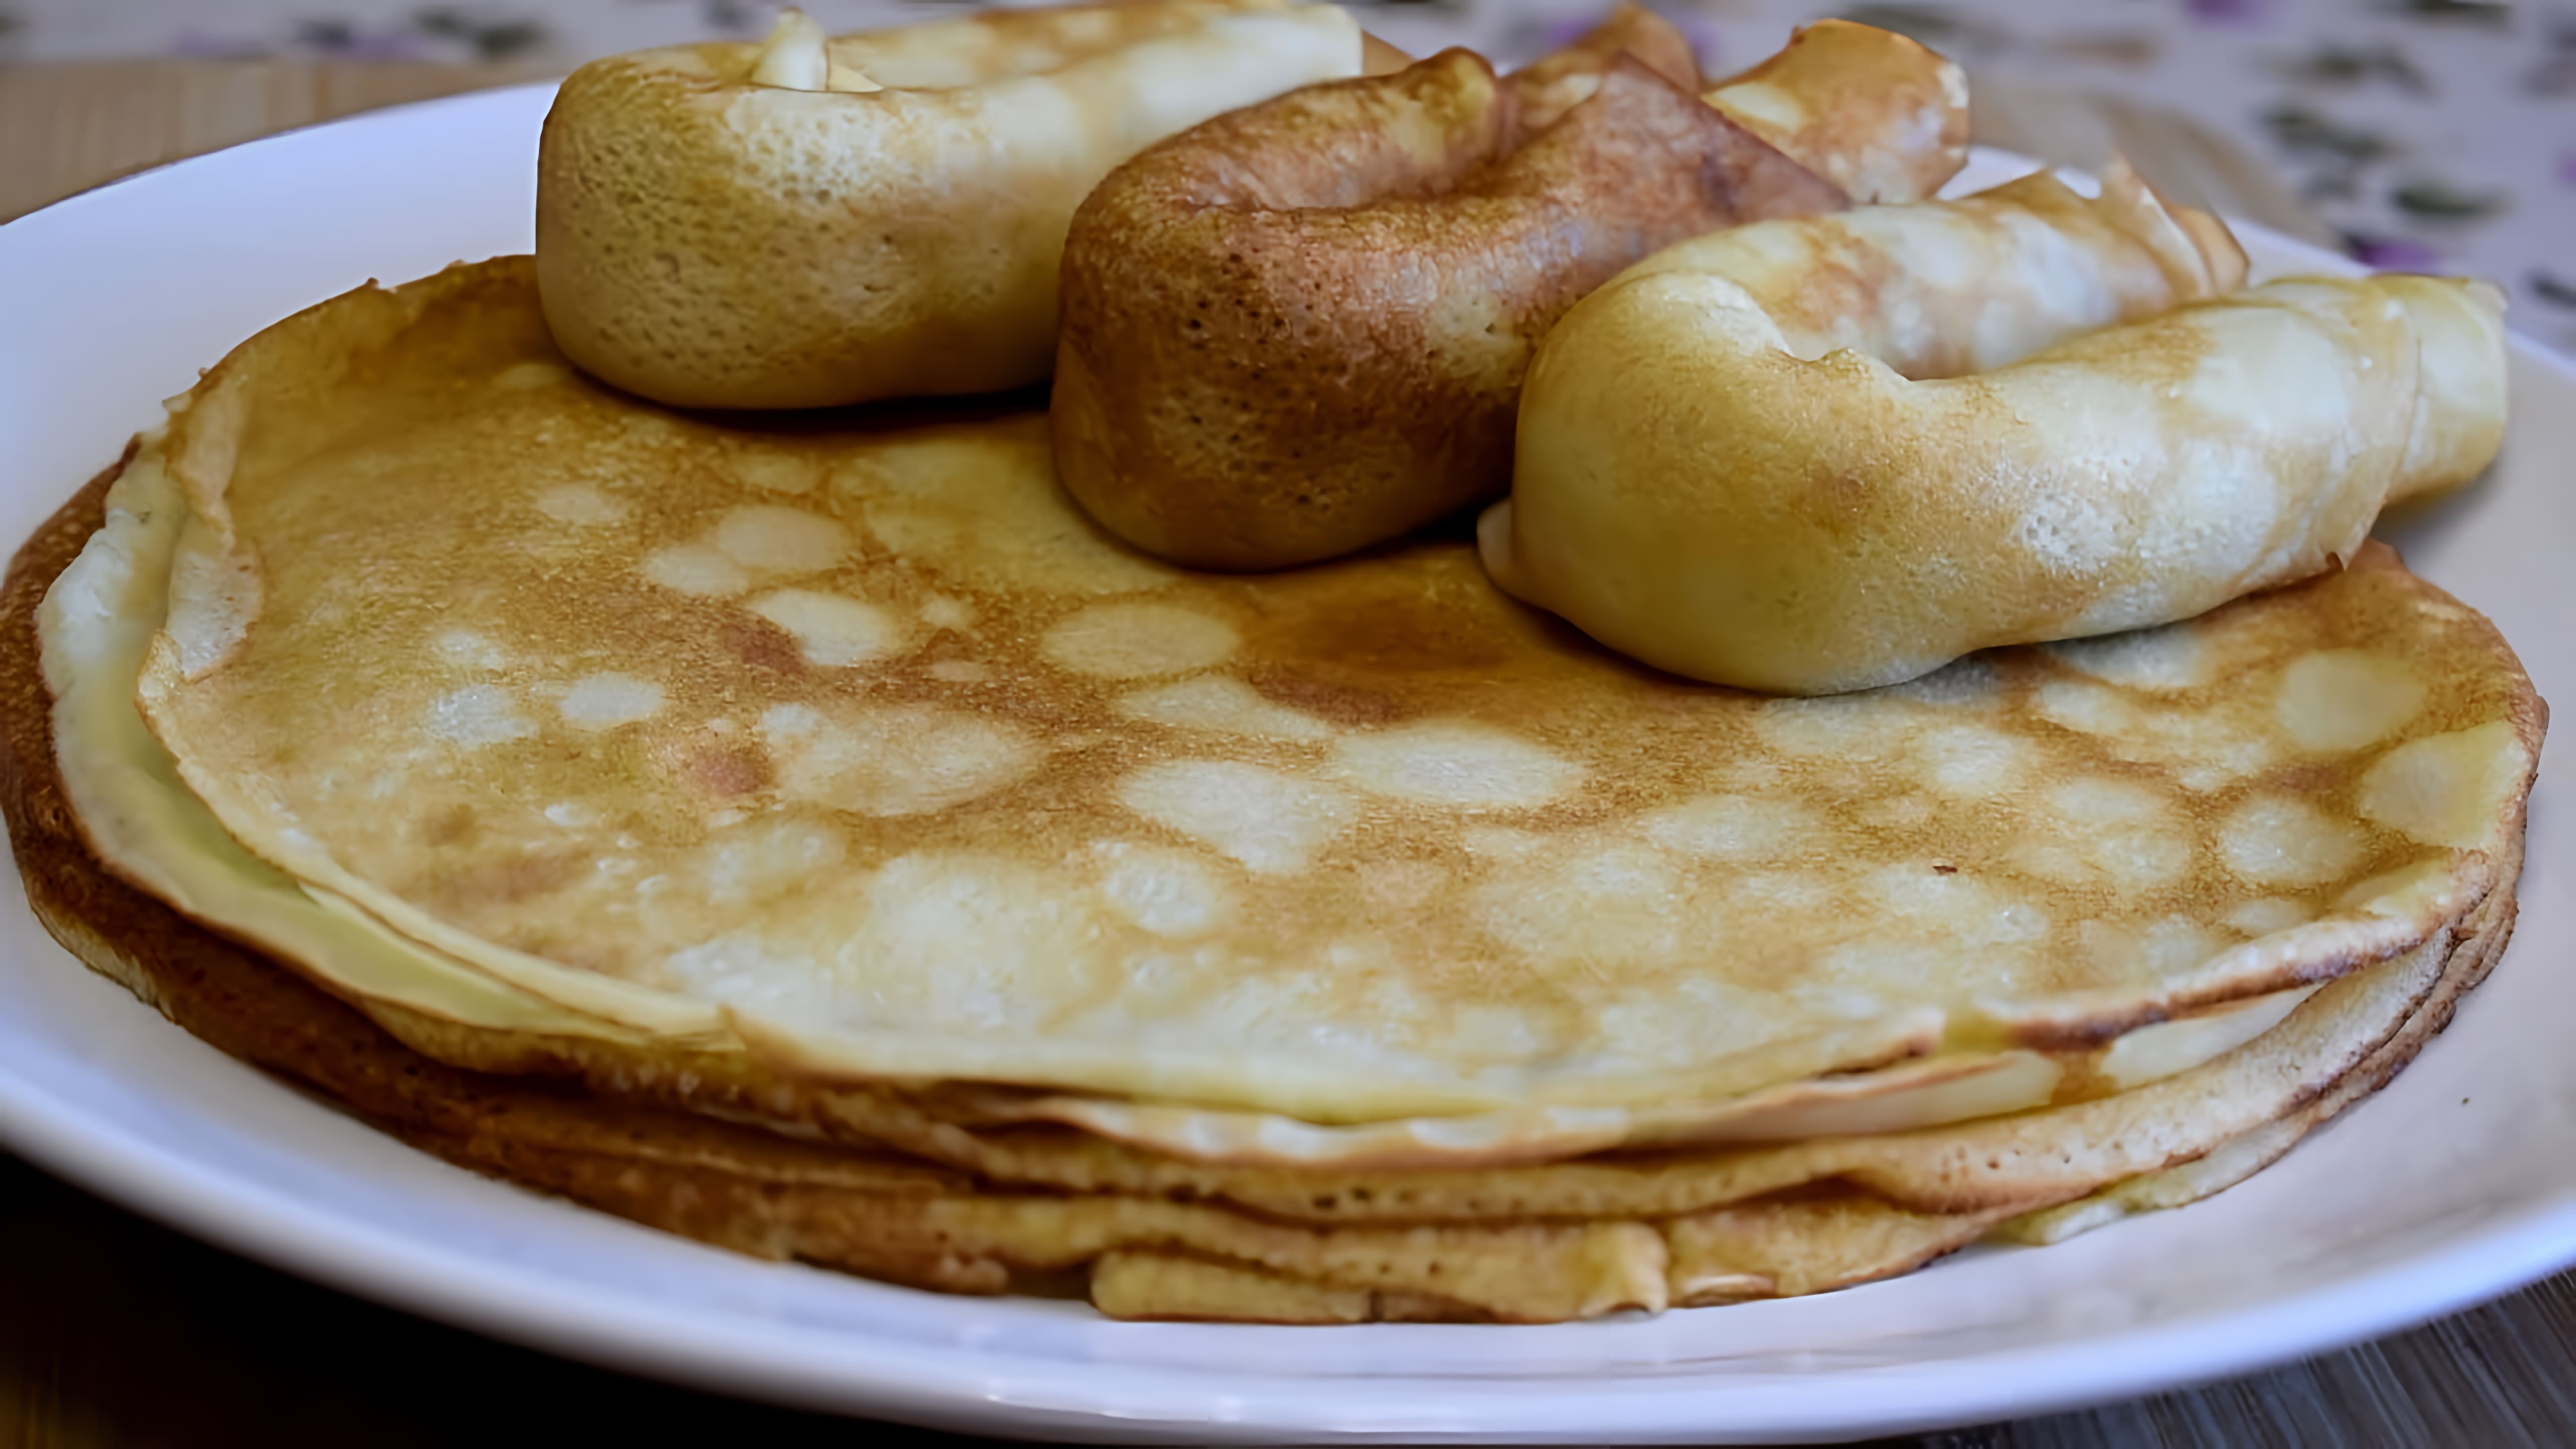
1298, 330
937, 783
805, 222
1840, 453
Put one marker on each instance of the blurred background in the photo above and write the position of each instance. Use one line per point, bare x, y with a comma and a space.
2416, 134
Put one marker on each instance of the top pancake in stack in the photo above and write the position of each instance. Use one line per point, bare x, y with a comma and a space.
1290, 947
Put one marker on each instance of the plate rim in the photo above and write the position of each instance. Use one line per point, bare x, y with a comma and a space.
971, 1388
949, 1386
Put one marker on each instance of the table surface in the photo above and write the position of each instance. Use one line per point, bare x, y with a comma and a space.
116, 1331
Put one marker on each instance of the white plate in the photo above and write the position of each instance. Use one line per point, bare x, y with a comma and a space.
2455, 1184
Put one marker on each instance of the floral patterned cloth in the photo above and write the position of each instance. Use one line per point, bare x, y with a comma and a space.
2429, 134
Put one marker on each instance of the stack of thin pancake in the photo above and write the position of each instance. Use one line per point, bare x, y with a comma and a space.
814, 837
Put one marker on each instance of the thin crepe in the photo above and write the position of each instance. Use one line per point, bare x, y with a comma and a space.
859, 744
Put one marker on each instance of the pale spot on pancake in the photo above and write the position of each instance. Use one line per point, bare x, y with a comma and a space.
1614, 903
2121, 834
2277, 840
1847, 727
1495, 842
905, 759
1884, 966
1731, 827
2132, 950
1932, 904
2400, 892
2450, 789
1266, 819
605, 701
528, 376
831, 630
772, 539
465, 649
916, 533
2086, 708
1496, 1034
2264, 916
960, 671
477, 715
1139, 641
785, 473
1457, 763
1226, 706
2173, 945
694, 568
579, 505
2173, 657
2048, 860
2103, 804
743, 969
2062, 530
985, 510
1680, 1021
2343, 699
1167, 892
990, 931
1779, 891
2205, 750
766, 859
1401, 885
972, 943
944, 611
1971, 760
1470, 336
1896, 812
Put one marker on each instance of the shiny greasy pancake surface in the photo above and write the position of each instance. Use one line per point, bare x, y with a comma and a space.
865, 735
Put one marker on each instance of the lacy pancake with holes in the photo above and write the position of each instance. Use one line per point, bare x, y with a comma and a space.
863, 746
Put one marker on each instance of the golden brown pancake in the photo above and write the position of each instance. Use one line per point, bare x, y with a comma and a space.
905, 1219
864, 748
385, 440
